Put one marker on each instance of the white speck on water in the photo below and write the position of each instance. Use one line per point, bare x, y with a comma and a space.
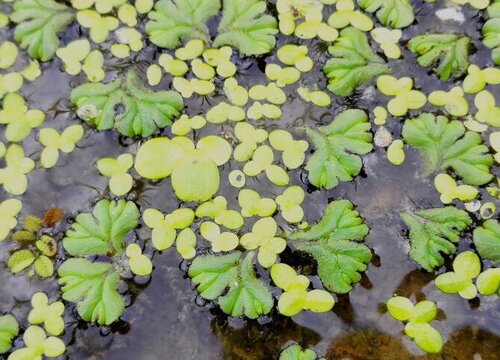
451, 14
383, 137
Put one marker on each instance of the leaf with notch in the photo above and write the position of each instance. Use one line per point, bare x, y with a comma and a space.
246, 294
143, 112
337, 147
449, 50
487, 240
9, 329
434, 231
173, 20
94, 287
38, 22
102, 231
245, 26
353, 63
331, 243
445, 144
394, 13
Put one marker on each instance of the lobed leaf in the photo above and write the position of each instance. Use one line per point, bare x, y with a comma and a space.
434, 231
102, 231
487, 240
445, 144
126, 106
245, 26
393, 13
174, 20
246, 294
9, 329
353, 63
330, 243
94, 287
449, 50
38, 22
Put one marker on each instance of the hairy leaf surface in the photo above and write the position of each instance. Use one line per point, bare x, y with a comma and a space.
445, 144
449, 50
353, 63
102, 231
331, 243
434, 231
337, 147
94, 287
38, 22
246, 295
126, 106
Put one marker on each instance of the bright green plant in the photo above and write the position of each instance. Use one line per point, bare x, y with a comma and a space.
9, 209
488, 112
8, 54
139, 264
120, 181
488, 282
38, 22
477, 78
217, 210
94, 287
449, 189
487, 240
388, 40
144, 112
337, 148
246, 295
264, 238
347, 15
445, 144
103, 231
219, 240
295, 296
393, 13
13, 176
243, 25
418, 318
252, 204
353, 63
404, 97
290, 202
102, 6
37, 344
434, 231
18, 118
491, 31
164, 228
332, 242
9, 329
295, 352
99, 26
449, 50
55, 142
263, 162
453, 101
50, 315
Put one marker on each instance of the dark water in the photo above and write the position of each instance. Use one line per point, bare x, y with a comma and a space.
166, 319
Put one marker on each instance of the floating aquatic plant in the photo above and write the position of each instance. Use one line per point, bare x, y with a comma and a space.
450, 191
38, 23
434, 231
487, 240
37, 344
9, 329
337, 148
445, 144
13, 176
143, 111
418, 317
453, 101
393, 13
9, 209
18, 118
295, 352
120, 181
404, 97
165, 227
55, 142
50, 315
388, 40
491, 31
346, 15
449, 50
333, 243
353, 63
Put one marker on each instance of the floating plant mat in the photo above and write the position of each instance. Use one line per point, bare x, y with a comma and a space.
206, 179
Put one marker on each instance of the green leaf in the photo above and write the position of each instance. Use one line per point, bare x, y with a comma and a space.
487, 240
449, 50
434, 231
9, 329
245, 26
246, 294
491, 31
103, 230
20, 260
143, 113
94, 287
393, 13
331, 244
295, 352
39, 21
400, 308
173, 20
353, 63
336, 146
445, 144
43, 267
